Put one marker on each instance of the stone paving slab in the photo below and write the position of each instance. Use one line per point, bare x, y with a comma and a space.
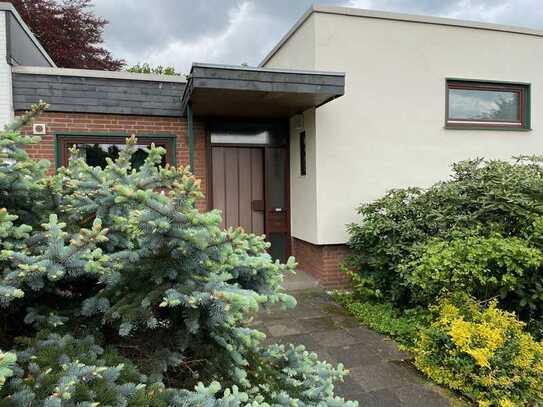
381, 375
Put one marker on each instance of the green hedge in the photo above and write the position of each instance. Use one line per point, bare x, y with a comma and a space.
480, 231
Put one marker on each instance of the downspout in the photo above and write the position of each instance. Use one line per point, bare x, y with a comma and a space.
190, 136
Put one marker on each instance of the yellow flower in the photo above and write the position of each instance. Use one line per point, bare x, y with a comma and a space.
460, 332
506, 403
492, 336
526, 354
481, 356
449, 313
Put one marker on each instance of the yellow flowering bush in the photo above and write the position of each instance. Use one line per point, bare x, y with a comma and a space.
483, 352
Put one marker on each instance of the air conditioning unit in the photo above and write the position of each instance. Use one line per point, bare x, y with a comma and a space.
39, 129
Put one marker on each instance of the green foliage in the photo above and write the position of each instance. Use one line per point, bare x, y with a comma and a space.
493, 207
401, 325
483, 352
95, 259
147, 68
6, 364
484, 267
62, 370
475, 237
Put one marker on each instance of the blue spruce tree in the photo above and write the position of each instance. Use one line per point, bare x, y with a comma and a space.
116, 291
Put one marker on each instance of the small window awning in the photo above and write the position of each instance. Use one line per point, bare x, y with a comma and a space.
232, 91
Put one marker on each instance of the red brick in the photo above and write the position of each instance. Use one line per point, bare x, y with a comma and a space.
322, 261
103, 123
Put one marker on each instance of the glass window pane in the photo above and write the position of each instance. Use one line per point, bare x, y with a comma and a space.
95, 154
487, 105
276, 176
262, 138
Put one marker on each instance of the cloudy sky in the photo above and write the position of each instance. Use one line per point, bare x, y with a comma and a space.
179, 32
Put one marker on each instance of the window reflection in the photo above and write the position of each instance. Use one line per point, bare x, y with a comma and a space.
469, 104
96, 154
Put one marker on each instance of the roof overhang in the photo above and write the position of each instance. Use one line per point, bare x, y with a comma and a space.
222, 90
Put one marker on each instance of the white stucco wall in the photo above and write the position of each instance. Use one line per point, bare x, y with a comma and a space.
303, 188
387, 131
299, 51
6, 95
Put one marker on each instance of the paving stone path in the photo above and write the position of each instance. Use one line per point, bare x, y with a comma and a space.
381, 375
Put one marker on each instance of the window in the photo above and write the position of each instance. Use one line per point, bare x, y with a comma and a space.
487, 105
96, 148
303, 159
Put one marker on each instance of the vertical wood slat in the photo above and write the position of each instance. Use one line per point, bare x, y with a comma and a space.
238, 179
245, 195
231, 174
257, 188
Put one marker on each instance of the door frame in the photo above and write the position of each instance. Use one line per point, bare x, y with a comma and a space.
265, 151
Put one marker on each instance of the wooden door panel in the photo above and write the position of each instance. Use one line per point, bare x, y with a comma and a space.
237, 183
231, 210
277, 203
257, 190
245, 195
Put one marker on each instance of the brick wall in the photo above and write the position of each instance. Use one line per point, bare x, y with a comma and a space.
102, 123
321, 261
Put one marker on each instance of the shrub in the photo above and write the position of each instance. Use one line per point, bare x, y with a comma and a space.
131, 296
489, 197
483, 267
483, 352
62, 369
401, 325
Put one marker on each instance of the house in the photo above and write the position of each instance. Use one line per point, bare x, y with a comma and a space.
350, 103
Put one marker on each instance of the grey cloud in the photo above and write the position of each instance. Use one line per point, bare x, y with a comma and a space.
178, 32
528, 13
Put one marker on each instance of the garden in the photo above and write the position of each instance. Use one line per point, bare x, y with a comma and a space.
454, 273
116, 291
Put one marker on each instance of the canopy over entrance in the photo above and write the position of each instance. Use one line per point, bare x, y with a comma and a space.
232, 91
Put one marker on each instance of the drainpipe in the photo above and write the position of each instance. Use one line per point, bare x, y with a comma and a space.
190, 137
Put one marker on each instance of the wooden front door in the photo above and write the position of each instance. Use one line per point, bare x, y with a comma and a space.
238, 186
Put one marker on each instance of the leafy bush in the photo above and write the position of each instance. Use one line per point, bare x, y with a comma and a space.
484, 267
131, 296
482, 198
401, 325
483, 352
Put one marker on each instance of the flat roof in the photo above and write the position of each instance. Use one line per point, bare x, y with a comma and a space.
9, 7
385, 15
91, 73
238, 91
262, 69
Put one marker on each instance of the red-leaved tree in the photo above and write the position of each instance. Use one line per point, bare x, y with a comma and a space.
69, 31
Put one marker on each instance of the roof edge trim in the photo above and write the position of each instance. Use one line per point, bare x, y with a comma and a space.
391, 16
90, 73
264, 69
287, 36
